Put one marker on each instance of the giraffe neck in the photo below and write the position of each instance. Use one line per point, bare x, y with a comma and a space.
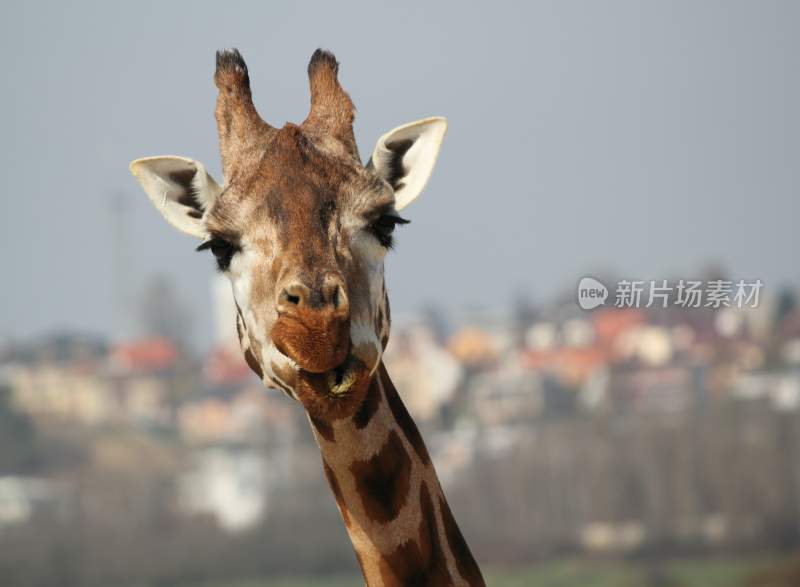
389, 496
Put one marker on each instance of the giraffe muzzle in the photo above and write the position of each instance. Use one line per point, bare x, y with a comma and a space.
317, 345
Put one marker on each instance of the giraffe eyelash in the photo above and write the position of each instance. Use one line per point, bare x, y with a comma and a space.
383, 228
222, 250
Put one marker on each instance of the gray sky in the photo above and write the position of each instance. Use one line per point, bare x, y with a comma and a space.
646, 138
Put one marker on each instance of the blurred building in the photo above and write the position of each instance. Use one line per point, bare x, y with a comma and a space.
230, 483
426, 374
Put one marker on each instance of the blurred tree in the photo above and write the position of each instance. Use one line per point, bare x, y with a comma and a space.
18, 445
434, 316
785, 305
523, 315
163, 313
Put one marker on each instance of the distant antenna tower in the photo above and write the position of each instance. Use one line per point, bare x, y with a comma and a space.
120, 273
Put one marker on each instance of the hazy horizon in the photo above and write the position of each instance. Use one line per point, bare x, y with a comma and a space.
645, 139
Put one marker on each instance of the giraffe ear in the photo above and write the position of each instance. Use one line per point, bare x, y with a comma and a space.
179, 188
405, 157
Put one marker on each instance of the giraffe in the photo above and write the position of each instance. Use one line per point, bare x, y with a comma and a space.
301, 228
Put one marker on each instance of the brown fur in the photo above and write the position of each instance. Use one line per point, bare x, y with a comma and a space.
382, 481
322, 428
337, 492
465, 562
396, 514
419, 562
369, 406
403, 418
332, 111
317, 340
239, 125
249, 357
292, 191
311, 389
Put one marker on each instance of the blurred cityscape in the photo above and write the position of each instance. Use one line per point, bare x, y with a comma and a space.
618, 432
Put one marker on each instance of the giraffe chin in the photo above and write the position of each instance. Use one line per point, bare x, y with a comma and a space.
336, 393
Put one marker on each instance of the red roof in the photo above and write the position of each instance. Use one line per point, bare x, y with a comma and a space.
610, 323
573, 364
226, 366
151, 354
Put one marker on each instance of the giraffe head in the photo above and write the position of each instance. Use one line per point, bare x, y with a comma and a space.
300, 227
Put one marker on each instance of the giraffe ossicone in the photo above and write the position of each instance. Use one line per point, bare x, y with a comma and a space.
301, 228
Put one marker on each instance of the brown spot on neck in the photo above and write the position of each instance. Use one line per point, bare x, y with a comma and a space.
369, 406
465, 562
382, 482
323, 428
337, 492
420, 560
403, 418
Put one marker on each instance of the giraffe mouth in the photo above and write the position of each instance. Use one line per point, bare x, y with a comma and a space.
336, 393
341, 379
336, 382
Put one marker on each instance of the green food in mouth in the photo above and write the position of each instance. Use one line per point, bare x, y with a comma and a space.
341, 379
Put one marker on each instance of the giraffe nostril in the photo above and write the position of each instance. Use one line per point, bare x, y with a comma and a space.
339, 300
334, 293
329, 294
292, 298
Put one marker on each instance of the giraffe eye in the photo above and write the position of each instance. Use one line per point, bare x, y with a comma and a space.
222, 250
383, 227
